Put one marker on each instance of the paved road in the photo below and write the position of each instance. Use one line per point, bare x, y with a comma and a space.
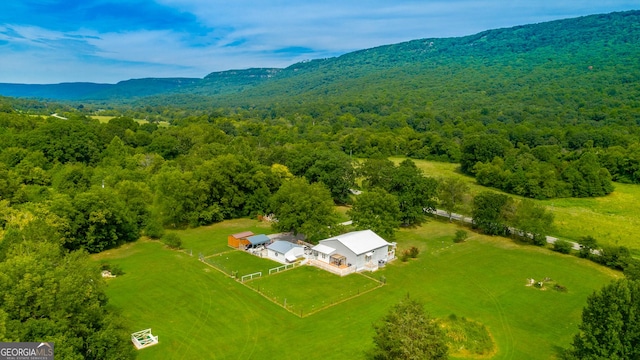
469, 220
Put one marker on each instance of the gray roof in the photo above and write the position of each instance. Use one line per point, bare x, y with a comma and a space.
282, 246
359, 242
258, 239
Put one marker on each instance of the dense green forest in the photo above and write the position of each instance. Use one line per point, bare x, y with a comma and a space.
542, 111
558, 102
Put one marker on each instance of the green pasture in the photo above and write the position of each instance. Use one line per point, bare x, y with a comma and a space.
304, 290
106, 118
200, 312
611, 219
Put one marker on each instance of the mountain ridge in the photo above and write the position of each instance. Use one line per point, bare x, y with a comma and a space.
487, 48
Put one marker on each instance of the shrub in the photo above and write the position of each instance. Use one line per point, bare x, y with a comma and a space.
172, 240
560, 288
113, 269
562, 246
405, 256
461, 236
587, 244
539, 240
413, 252
154, 228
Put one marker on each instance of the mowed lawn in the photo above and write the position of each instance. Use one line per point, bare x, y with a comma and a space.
199, 312
240, 263
305, 290
611, 219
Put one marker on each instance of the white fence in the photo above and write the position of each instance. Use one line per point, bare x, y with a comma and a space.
251, 276
284, 267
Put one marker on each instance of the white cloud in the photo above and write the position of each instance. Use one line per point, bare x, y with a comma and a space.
246, 33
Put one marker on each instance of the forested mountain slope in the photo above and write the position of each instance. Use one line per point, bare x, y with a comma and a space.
541, 60
544, 110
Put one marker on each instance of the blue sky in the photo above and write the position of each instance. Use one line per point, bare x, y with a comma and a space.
52, 41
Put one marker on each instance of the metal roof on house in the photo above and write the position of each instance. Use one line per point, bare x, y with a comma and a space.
282, 246
360, 242
242, 235
258, 239
324, 249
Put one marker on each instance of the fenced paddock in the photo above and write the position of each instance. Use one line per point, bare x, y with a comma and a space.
306, 290
238, 263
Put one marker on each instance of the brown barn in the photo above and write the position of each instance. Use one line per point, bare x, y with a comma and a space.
240, 239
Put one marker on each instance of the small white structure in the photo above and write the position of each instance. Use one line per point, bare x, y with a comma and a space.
143, 339
284, 252
107, 274
362, 250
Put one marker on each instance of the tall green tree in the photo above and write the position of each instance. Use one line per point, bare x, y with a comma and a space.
97, 220
451, 193
335, 170
51, 295
408, 332
610, 327
304, 208
377, 210
490, 212
415, 192
534, 220
376, 173
482, 148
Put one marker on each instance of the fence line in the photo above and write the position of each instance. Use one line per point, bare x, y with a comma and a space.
250, 276
282, 268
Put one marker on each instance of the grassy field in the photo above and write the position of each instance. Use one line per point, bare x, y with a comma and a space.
611, 219
306, 290
200, 312
105, 119
241, 263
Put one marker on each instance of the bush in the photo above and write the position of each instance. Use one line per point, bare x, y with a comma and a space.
113, 269
587, 244
461, 236
539, 240
154, 228
405, 256
409, 253
560, 288
413, 252
562, 246
172, 240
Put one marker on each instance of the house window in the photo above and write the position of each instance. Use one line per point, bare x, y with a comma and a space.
324, 256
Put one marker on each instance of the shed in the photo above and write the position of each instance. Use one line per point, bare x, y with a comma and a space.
284, 251
240, 239
256, 240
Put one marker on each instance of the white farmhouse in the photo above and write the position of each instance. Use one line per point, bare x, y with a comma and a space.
358, 250
284, 251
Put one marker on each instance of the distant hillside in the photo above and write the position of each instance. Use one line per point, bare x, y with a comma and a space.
540, 63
